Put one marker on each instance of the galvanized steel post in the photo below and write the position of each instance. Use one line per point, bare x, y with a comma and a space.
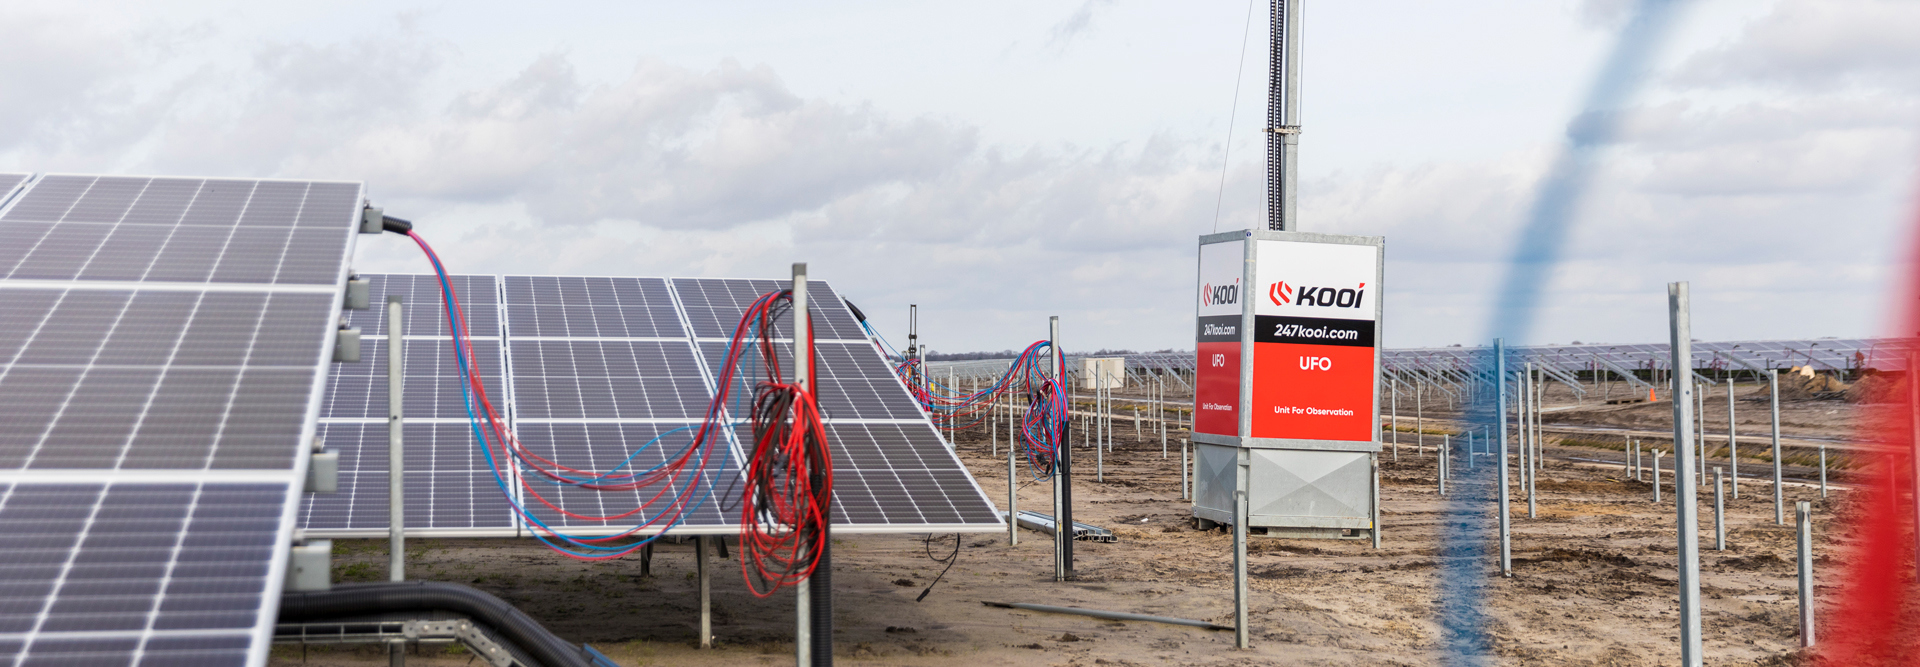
706, 590
1823, 471
1500, 414
1539, 442
1242, 637
1062, 461
1520, 429
1700, 436
1779, 488
1419, 420
396, 447
1687, 516
1013, 474
1183, 471
993, 433
1393, 394
1532, 444
1374, 458
1733, 442
1656, 476
803, 638
1804, 552
1626, 459
1719, 509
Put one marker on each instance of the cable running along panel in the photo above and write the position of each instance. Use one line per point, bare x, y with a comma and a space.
605, 370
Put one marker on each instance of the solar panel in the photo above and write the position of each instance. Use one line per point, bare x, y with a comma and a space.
577, 307
112, 573
714, 307
604, 371
901, 477
451, 491
67, 227
855, 383
601, 368
604, 447
607, 379
421, 306
359, 391
110, 379
162, 345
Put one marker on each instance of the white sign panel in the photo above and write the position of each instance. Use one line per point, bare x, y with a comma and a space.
1221, 267
1316, 280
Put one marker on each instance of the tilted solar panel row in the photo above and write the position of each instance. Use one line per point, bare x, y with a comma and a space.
1821, 354
604, 370
163, 344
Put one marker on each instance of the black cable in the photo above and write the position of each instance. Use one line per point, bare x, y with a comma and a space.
951, 558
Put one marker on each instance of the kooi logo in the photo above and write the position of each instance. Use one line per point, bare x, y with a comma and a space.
1219, 295
1282, 294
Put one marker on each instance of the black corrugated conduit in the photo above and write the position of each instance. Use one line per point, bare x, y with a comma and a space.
483, 609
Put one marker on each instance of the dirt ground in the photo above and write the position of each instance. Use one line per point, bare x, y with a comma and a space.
1594, 578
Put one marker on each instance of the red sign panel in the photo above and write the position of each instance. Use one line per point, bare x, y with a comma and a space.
1216, 397
1313, 392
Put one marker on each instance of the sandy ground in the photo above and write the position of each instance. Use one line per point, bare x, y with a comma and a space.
1594, 581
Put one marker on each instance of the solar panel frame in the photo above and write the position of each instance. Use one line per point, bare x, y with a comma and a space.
11, 184
362, 430
250, 644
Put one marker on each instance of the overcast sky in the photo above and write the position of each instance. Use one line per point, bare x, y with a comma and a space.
998, 162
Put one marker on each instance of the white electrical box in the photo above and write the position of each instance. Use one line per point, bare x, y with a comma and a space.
1110, 373
346, 345
310, 566
323, 473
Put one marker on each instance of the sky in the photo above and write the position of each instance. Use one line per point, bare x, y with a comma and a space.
1000, 162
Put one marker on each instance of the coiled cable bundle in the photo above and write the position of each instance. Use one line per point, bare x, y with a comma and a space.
789, 477
1028, 381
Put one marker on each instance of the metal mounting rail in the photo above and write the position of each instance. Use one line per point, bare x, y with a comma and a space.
383, 632
1081, 532
1632, 380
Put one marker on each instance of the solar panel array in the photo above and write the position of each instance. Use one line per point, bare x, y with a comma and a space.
1837, 354
163, 342
601, 370
1825, 354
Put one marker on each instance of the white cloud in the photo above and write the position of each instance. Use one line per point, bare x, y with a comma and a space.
1075, 24
1818, 45
663, 168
